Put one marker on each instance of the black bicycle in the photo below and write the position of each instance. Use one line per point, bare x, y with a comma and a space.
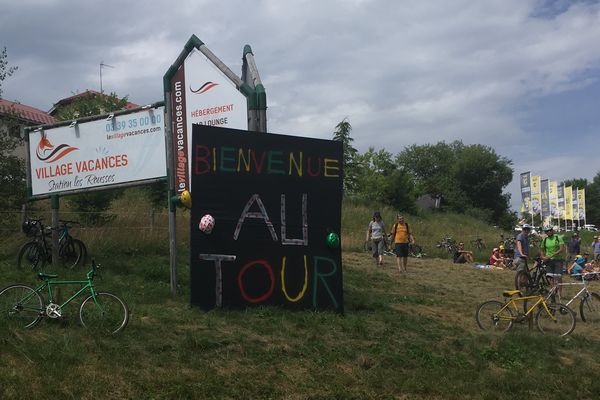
36, 253
532, 280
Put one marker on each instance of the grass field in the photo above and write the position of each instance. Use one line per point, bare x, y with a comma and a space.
403, 336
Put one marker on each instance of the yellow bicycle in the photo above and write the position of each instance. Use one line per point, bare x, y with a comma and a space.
553, 318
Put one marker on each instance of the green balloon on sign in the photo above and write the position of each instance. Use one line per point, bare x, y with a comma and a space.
333, 240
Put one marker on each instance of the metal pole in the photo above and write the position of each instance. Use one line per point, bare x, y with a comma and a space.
171, 193
54, 203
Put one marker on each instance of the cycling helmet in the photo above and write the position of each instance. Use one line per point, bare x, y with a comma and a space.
207, 223
29, 227
525, 226
186, 199
548, 228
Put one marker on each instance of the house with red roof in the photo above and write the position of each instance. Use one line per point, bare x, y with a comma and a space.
14, 115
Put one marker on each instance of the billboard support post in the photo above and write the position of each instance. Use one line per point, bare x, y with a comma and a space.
186, 106
54, 204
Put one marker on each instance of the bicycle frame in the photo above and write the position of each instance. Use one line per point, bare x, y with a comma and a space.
539, 300
554, 290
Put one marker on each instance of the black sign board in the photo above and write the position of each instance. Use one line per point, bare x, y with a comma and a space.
275, 201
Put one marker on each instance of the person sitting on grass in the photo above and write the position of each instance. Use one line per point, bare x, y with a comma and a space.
497, 259
579, 266
461, 255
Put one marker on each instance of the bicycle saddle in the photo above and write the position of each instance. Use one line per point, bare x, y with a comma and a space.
44, 276
509, 293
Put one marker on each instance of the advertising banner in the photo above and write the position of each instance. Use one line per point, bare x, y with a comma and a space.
553, 197
569, 202
544, 187
525, 192
581, 204
124, 149
575, 210
536, 195
275, 204
201, 94
560, 191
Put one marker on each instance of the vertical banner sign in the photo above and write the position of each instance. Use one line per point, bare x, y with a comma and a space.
536, 195
575, 205
526, 192
560, 191
553, 197
201, 94
581, 203
545, 199
569, 202
276, 205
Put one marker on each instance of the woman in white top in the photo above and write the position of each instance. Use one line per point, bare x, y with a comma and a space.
376, 234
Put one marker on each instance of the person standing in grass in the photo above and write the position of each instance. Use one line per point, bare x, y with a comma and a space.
596, 248
552, 252
522, 248
376, 234
401, 236
573, 248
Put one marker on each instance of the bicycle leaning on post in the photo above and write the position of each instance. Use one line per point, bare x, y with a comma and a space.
36, 253
24, 306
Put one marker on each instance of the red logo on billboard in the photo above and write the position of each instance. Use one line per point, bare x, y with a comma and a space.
46, 151
204, 88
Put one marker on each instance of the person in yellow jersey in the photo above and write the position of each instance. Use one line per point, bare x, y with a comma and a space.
401, 237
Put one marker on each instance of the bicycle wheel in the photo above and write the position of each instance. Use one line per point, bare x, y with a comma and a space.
106, 314
522, 281
415, 250
20, 306
589, 308
560, 321
71, 252
493, 316
84, 252
32, 255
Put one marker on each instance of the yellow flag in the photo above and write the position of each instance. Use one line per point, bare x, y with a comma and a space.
536, 194
568, 202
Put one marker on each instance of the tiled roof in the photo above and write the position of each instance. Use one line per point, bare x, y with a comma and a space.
27, 113
68, 100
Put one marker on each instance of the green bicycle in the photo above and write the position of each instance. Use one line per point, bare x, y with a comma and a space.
23, 306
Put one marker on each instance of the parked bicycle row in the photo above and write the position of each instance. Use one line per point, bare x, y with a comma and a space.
23, 306
37, 252
539, 291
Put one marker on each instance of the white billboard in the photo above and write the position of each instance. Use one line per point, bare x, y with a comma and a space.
201, 94
109, 151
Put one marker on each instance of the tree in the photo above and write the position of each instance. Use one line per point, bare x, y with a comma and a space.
592, 201
12, 168
93, 204
466, 177
5, 70
342, 134
379, 180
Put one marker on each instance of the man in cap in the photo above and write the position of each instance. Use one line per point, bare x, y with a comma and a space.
522, 248
552, 252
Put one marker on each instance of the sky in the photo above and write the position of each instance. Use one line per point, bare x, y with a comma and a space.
521, 76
